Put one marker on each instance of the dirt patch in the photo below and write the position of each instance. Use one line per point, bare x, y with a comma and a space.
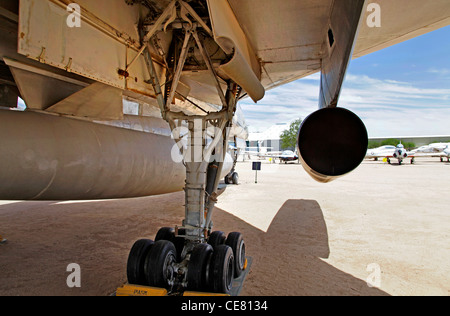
305, 238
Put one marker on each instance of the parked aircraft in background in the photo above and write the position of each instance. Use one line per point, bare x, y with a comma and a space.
284, 156
435, 150
389, 152
382, 151
287, 156
261, 152
432, 148
447, 153
401, 153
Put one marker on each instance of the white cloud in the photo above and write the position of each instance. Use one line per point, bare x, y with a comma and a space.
442, 71
282, 105
388, 107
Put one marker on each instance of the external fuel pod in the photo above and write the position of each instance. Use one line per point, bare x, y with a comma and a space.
47, 157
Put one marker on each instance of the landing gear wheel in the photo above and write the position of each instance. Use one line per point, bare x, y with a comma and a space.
168, 233
165, 233
198, 269
136, 262
236, 242
158, 266
222, 270
235, 178
216, 239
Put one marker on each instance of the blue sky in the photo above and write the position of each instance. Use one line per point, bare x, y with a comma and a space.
403, 90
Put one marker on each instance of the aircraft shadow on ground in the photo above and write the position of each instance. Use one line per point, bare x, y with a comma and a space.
45, 237
290, 254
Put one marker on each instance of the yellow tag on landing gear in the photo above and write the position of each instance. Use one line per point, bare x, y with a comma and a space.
137, 290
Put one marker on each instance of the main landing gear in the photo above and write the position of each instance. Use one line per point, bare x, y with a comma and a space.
172, 263
191, 257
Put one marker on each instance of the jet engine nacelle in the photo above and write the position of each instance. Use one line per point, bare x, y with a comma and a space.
332, 142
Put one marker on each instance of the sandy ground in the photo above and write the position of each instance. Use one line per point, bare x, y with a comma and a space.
388, 224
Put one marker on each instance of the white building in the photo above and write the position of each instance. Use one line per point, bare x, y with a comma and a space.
269, 139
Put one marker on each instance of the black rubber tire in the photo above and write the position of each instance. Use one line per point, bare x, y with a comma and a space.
158, 263
216, 239
235, 178
165, 233
236, 242
222, 270
136, 262
198, 268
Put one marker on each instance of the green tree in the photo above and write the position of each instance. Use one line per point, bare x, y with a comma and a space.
390, 142
374, 144
289, 136
409, 145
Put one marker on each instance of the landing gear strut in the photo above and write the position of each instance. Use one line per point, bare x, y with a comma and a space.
191, 256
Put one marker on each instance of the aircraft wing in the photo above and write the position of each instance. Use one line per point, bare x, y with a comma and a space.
274, 154
258, 46
432, 155
381, 156
374, 154
410, 155
284, 156
290, 37
389, 155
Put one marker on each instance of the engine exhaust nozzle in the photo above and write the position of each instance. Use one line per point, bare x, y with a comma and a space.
332, 142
